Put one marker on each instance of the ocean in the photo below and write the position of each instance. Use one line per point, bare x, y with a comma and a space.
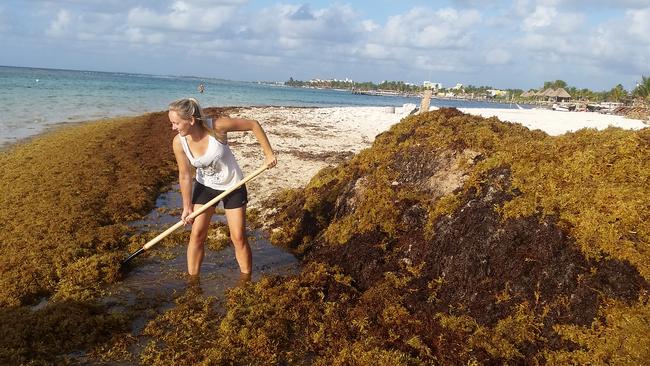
34, 99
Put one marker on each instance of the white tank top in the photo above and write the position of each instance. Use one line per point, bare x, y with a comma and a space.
217, 168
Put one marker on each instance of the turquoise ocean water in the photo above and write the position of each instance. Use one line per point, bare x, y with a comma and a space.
31, 100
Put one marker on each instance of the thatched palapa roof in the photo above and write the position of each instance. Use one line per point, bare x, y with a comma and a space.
557, 93
549, 92
546, 93
561, 93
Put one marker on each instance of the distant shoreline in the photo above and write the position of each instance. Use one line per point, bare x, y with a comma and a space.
552, 122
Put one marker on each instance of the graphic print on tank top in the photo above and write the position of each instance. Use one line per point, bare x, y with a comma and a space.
217, 167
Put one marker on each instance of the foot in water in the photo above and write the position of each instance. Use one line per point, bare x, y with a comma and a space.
244, 278
194, 283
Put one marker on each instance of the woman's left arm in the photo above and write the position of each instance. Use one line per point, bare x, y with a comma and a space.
227, 124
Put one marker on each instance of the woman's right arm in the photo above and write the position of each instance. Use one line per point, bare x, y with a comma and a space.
184, 179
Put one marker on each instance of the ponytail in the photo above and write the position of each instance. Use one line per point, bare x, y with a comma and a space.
190, 107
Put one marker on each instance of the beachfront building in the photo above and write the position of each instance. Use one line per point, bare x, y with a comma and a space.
493, 93
431, 85
458, 86
347, 81
553, 95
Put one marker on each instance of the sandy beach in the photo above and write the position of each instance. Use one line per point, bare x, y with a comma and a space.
308, 139
556, 122
305, 140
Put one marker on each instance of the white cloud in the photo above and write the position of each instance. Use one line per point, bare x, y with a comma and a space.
135, 35
521, 7
424, 28
473, 36
191, 16
551, 20
290, 42
525, 6
60, 25
374, 51
445, 63
553, 3
541, 18
297, 32
497, 56
337, 23
638, 24
566, 41
98, 27
606, 3
623, 43
369, 26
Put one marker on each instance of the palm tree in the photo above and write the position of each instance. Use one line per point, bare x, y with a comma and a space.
642, 89
617, 93
555, 84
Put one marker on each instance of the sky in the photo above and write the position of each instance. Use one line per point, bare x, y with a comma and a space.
593, 44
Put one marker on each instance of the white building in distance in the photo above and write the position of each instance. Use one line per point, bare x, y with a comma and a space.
430, 85
497, 93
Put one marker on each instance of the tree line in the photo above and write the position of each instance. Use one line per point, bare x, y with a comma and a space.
616, 94
398, 86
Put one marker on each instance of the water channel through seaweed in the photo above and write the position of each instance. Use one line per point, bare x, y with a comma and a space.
153, 282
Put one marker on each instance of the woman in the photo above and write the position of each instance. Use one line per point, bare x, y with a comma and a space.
202, 143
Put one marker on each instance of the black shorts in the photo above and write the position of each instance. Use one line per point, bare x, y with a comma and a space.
236, 199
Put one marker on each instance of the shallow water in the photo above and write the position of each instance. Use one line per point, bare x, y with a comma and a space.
153, 283
219, 271
35, 100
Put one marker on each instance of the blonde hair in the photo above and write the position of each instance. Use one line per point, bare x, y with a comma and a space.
188, 108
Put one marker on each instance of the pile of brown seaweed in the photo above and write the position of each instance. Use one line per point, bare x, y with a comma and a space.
455, 240
66, 198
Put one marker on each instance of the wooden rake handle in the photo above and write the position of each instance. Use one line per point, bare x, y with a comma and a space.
194, 214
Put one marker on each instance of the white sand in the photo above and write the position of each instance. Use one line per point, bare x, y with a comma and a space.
557, 122
305, 140
308, 139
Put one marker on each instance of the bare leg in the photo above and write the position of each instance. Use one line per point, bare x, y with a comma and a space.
196, 246
237, 224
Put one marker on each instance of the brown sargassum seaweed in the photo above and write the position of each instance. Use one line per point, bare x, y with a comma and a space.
66, 199
463, 240
453, 240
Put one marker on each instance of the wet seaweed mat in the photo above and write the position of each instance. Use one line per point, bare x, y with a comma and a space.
65, 196
194, 214
158, 285
454, 240
67, 200
166, 268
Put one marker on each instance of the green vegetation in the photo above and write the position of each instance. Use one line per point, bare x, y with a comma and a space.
642, 89
398, 86
555, 84
616, 94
